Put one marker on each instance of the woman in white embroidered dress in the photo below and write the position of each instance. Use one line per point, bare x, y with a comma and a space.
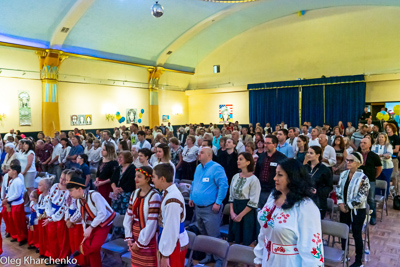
290, 233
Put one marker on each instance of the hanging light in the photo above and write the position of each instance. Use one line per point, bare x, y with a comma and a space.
157, 10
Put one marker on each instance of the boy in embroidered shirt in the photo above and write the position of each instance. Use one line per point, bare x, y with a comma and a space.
173, 239
97, 217
33, 235
14, 198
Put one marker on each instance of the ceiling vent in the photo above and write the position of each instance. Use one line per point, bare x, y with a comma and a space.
169, 52
64, 29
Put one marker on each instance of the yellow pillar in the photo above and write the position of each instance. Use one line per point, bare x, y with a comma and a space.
49, 63
154, 77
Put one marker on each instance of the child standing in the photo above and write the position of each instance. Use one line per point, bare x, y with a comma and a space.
33, 233
44, 199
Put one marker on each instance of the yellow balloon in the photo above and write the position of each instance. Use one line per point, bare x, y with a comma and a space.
386, 117
140, 115
396, 109
379, 116
118, 117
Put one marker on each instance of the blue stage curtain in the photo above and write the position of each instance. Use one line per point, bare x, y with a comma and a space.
274, 106
312, 105
344, 102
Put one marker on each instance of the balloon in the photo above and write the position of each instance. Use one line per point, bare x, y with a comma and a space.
118, 117
396, 109
386, 117
140, 115
121, 120
303, 12
397, 118
142, 111
118, 113
379, 116
139, 120
383, 112
299, 13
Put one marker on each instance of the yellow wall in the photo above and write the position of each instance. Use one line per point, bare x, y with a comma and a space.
383, 88
170, 101
204, 105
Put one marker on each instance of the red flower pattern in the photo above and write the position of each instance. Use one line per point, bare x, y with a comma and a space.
314, 251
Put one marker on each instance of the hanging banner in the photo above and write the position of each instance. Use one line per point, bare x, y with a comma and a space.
24, 108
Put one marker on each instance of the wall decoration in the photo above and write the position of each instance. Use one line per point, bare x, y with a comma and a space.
24, 108
81, 120
165, 118
225, 113
131, 115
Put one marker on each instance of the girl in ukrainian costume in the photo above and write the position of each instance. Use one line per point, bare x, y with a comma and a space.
73, 220
57, 229
174, 239
97, 217
290, 233
44, 200
140, 221
33, 234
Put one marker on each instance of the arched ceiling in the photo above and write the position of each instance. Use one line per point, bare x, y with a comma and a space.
125, 30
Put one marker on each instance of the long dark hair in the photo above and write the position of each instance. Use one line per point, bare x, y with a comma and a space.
30, 144
299, 184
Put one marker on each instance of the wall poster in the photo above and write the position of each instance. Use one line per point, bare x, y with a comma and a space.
131, 115
81, 120
165, 118
24, 108
225, 113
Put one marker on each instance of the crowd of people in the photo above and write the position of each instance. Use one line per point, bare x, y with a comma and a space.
276, 181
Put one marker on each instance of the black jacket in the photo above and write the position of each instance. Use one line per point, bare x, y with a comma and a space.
107, 171
229, 162
323, 182
127, 181
182, 138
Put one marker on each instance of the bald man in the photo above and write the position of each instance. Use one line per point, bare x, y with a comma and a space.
209, 188
328, 152
372, 167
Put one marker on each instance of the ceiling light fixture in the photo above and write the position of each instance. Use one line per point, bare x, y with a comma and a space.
157, 10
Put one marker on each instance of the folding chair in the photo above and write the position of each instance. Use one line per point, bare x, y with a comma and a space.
381, 199
210, 245
336, 229
240, 254
115, 247
192, 238
224, 229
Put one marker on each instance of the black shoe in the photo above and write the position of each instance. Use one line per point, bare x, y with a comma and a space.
13, 240
356, 264
31, 247
76, 254
23, 242
37, 250
372, 221
8, 235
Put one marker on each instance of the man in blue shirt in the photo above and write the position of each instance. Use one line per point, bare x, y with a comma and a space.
284, 147
216, 138
209, 189
76, 149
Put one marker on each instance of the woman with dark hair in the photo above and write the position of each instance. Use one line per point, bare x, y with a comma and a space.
321, 176
140, 220
341, 154
82, 160
302, 149
123, 146
244, 193
27, 161
229, 159
164, 156
144, 156
40, 136
290, 233
352, 193
105, 171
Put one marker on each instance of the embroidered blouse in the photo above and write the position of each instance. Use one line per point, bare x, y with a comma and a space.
150, 211
55, 208
357, 192
245, 188
290, 237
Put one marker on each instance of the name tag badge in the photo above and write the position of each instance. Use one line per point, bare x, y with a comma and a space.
206, 180
274, 164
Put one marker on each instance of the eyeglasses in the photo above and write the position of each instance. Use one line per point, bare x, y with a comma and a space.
349, 160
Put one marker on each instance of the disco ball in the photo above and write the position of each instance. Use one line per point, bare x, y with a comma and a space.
157, 10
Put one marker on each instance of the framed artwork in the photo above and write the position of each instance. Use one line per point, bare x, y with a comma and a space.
24, 108
225, 113
165, 118
81, 120
131, 115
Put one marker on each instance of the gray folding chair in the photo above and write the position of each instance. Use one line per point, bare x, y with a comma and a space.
126, 259
116, 247
224, 229
341, 230
192, 237
240, 254
210, 245
381, 199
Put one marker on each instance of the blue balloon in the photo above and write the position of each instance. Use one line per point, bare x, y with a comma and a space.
383, 112
142, 111
121, 120
118, 113
139, 120
303, 12
397, 118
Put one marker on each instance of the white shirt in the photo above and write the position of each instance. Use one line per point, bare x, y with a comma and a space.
170, 128
190, 154
144, 144
171, 219
23, 159
4, 186
63, 155
170, 162
308, 135
95, 155
56, 152
245, 188
7, 135
71, 212
314, 142
57, 197
15, 191
294, 143
330, 155
240, 147
110, 141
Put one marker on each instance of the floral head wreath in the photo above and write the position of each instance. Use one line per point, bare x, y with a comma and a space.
144, 172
